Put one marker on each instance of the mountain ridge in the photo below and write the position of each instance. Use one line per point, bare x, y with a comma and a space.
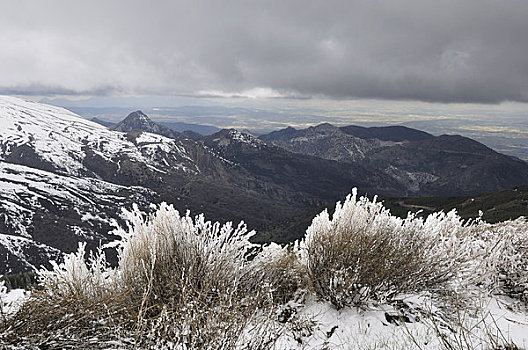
428, 165
69, 179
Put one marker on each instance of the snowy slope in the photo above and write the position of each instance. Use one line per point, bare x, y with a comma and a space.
18, 253
64, 179
42, 213
61, 139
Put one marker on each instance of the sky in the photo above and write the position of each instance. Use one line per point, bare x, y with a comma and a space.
443, 66
449, 51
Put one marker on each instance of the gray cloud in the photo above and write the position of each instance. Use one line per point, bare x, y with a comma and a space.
444, 51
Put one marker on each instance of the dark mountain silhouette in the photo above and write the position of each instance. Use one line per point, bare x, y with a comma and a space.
140, 121
387, 133
429, 165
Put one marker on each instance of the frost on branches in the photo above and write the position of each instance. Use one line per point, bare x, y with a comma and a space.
186, 283
363, 252
181, 282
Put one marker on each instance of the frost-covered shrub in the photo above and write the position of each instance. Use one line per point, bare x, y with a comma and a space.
185, 283
181, 282
280, 269
78, 277
189, 274
499, 254
363, 252
188, 252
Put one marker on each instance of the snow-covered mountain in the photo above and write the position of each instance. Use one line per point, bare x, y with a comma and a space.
53, 138
63, 179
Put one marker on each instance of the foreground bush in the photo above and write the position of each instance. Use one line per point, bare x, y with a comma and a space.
185, 283
364, 253
181, 282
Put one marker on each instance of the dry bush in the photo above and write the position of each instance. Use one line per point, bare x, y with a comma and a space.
280, 269
364, 252
500, 255
181, 282
187, 283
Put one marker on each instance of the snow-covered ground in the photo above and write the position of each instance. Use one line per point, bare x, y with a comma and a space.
380, 326
12, 300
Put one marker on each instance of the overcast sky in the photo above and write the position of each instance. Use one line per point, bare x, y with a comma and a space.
439, 51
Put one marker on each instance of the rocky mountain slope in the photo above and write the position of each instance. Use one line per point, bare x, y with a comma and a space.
293, 172
325, 141
64, 179
421, 163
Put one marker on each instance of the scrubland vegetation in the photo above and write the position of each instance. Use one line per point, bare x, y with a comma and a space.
185, 283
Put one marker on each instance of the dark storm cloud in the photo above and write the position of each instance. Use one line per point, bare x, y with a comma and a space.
446, 51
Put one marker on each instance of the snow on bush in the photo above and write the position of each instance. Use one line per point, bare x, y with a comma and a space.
78, 277
3, 306
181, 282
181, 248
500, 255
186, 283
363, 252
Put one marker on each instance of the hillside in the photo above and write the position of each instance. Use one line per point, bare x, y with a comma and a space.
495, 206
423, 164
65, 180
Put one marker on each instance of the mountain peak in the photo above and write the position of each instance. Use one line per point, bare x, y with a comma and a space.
232, 136
139, 117
140, 121
324, 128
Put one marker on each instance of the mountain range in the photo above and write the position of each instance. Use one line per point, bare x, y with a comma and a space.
425, 165
65, 180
